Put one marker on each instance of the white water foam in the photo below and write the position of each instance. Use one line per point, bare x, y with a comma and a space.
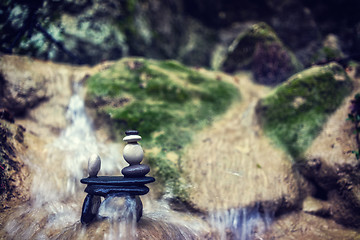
240, 223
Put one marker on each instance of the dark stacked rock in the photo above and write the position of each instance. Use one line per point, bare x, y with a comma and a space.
129, 186
133, 154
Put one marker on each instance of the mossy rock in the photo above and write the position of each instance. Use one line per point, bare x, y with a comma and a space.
259, 49
166, 102
294, 113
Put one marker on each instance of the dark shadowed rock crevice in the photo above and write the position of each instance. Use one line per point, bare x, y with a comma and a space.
14, 185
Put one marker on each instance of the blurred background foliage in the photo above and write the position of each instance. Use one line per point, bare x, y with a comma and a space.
195, 32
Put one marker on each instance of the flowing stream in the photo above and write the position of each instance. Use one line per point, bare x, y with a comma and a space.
54, 209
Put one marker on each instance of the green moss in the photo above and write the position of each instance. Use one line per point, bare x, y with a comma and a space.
294, 114
172, 65
167, 103
196, 78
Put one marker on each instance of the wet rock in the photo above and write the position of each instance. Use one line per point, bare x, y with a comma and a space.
258, 48
136, 171
146, 229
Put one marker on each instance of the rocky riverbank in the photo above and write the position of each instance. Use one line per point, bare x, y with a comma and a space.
213, 153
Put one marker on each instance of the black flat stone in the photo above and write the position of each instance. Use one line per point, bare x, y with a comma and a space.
106, 190
86, 215
136, 171
117, 181
131, 132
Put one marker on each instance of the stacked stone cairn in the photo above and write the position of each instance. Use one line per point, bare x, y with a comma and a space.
129, 186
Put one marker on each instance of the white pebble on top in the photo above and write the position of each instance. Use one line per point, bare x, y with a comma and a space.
94, 165
132, 138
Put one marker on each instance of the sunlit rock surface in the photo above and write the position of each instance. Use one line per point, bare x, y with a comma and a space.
239, 163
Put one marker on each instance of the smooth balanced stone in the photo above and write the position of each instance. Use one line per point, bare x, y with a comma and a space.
133, 153
135, 171
117, 181
132, 138
108, 190
94, 165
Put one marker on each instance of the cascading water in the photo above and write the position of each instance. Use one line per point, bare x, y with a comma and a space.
56, 191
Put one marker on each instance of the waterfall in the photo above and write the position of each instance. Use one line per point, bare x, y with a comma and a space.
56, 193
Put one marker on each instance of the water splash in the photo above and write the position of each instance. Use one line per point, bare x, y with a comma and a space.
121, 213
240, 223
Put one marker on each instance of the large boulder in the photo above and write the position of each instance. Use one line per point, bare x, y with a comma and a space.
166, 102
293, 115
331, 163
259, 49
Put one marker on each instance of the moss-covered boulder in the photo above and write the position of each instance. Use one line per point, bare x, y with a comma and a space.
259, 49
294, 113
332, 163
166, 102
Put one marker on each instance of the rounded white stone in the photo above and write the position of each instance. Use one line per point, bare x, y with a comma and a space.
94, 165
132, 138
133, 153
